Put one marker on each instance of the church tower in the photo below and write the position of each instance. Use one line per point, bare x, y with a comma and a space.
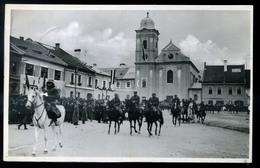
146, 52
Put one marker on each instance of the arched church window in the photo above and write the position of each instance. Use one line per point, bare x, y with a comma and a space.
170, 76
145, 44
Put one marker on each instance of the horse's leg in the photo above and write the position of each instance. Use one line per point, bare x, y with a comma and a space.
60, 133
135, 126
160, 128
115, 127
55, 137
36, 134
140, 124
109, 126
149, 128
155, 127
45, 141
118, 127
130, 121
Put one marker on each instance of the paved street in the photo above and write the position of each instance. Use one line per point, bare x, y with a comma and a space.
92, 140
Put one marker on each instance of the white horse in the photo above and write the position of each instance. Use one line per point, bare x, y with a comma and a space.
191, 116
41, 120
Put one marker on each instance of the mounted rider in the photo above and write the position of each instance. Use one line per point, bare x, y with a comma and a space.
176, 102
51, 100
135, 99
116, 102
153, 102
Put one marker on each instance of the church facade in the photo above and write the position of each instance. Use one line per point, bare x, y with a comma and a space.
166, 74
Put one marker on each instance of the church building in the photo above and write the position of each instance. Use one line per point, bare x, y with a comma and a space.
166, 74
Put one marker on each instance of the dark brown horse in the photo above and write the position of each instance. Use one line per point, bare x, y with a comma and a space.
134, 115
115, 114
154, 115
176, 113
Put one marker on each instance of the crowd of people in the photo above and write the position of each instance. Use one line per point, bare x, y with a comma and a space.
79, 109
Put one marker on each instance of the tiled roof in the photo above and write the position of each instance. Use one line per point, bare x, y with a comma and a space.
215, 74
33, 49
99, 71
73, 62
121, 72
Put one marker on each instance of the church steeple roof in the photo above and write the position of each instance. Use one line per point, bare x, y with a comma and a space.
147, 23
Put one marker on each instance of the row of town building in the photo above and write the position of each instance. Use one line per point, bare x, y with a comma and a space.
166, 74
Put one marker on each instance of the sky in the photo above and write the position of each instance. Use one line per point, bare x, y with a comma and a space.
107, 37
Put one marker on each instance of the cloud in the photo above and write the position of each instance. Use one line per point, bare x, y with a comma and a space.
108, 50
103, 47
209, 52
67, 36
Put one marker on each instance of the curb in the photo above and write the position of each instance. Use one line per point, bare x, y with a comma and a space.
227, 126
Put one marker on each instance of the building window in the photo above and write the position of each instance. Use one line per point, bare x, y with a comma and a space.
89, 81
29, 69
156, 44
44, 72
239, 91
230, 90
57, 75
98, 96
219, 90
128, 84
79, 80
210, 102
170, 76
71, 94
210, 90
117, 84
145, 44
78, 94
144, 83
72, 79
96, 82
104, 84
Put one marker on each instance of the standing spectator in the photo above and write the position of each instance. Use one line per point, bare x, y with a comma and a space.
24, 113
75, 118
84, 113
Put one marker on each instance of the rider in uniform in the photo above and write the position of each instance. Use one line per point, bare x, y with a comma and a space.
153, 102
176, 99
135, 99
116, 102
50, 101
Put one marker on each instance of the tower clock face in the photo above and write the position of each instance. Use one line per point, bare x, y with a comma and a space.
170, 56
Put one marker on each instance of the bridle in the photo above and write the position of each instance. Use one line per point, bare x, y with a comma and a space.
33, 103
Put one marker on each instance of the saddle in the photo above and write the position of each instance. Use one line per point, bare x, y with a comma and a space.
52, 111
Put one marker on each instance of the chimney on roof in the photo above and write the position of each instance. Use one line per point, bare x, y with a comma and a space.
21, 38
57, 46
77, 53
225, 65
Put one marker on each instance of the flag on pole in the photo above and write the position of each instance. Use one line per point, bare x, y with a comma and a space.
113, 74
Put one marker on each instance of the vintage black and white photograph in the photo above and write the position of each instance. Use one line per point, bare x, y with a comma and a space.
121, 83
